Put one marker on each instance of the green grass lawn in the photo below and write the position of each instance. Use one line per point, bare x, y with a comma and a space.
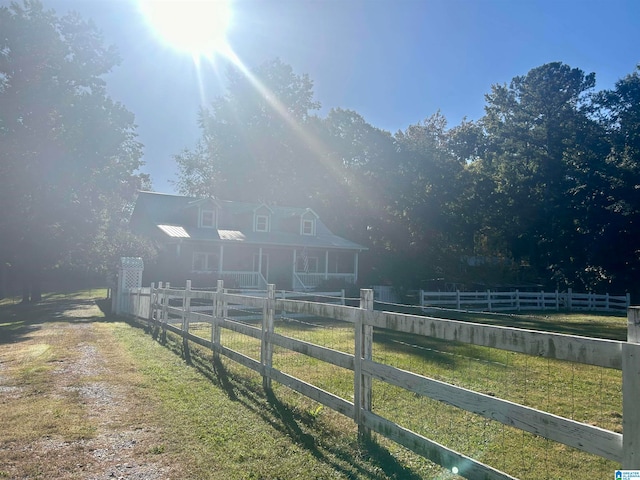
219, 423
205, 420
587, 394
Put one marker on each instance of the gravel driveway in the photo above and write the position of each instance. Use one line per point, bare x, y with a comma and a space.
68, 347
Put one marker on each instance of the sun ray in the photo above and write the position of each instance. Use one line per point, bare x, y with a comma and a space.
199, 28
319, 150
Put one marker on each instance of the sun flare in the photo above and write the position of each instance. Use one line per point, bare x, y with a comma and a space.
198, 27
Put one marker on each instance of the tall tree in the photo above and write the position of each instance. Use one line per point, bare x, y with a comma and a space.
355, 195
68, 151
254, 138
428, 184
542, 152
619, 113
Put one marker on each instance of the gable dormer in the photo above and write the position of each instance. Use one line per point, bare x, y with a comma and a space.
308, 223
208, 211
262, 218
207, 218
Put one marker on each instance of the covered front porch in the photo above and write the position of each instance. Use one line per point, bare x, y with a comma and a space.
297, 269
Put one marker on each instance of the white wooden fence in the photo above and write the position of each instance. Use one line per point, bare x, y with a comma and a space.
517, 301
154, 306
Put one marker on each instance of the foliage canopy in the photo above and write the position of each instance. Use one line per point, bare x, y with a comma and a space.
69, 152
534, 193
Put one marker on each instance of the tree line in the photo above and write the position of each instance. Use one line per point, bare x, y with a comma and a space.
542, 190
69, 154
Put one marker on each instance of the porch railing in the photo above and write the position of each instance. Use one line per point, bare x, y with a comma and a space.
244, 279
305, 281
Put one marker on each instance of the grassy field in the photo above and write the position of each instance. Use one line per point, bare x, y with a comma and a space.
83, 396
587, 394
209, 421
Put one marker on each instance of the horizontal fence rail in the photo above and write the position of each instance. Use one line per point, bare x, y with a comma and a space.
516, 301
175, 310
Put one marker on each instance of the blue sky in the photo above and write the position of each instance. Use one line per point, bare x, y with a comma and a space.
396, 62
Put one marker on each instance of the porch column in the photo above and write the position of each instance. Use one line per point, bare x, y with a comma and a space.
295, 259
220, 257
260, 260
355, 267
326, 265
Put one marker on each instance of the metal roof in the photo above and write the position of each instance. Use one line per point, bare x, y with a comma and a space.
174, 231
169, 213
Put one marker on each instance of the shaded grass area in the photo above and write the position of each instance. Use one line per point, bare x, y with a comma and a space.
218, 422
212, 420
17, 320
611, 326
583, 393
223, 421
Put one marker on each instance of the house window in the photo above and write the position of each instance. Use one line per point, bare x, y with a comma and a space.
308, 227
207, 218
205, 262
262, 223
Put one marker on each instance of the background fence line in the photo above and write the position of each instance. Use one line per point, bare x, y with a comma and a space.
516, 301
171, 309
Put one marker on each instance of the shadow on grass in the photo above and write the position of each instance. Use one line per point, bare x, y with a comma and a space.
430, 349
558, 322
18, 320
304, 428
342, 453
15, 324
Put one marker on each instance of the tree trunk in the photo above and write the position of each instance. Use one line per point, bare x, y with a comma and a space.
3, 281
31, 286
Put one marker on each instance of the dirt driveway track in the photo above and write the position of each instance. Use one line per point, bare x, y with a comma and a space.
69, 406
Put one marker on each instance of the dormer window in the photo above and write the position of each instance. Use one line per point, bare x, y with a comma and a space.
262, 223
207, 219
308, 227
262, 218
308, 222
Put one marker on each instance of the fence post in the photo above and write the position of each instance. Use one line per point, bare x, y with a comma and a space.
225, 304
284, 297
152, 296
363, 351
186, 309
266, 347
186, 301
159, 300
137, 311
631, 392
457, 299
164, 315
570, 299
489, 300
217, 315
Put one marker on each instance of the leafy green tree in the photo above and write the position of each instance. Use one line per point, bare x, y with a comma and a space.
255, 142
619, 113
354, 195
429, 183
68, 151
543, 151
